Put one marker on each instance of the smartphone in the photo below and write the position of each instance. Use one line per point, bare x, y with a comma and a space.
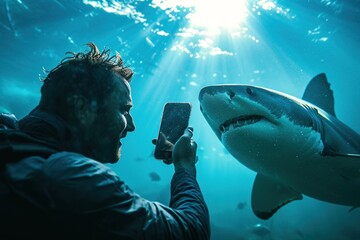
174, 121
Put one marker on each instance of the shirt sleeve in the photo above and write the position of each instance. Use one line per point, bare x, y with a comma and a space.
103, 205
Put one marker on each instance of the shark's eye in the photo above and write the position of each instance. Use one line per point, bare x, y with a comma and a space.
249, 91
231, 94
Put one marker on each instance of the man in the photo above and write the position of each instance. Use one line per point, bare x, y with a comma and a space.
59, 187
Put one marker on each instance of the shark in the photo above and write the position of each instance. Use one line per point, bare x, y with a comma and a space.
296, 146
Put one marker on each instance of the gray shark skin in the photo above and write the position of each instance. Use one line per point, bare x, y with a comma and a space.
296, 146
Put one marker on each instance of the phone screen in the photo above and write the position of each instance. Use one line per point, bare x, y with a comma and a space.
174, 121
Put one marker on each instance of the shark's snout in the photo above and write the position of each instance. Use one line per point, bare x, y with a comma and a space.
210, 90
229, 90
227, 107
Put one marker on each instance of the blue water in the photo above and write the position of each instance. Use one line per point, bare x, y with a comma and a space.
176, 48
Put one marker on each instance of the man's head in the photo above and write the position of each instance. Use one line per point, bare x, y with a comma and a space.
91, 92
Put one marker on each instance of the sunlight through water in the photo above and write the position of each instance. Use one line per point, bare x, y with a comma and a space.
198, 24
216, 16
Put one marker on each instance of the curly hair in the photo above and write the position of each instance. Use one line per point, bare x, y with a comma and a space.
89, 73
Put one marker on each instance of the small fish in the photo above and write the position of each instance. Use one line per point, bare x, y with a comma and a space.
149, 42
10, 19
139, 159
154, 176
241, 205
260, 230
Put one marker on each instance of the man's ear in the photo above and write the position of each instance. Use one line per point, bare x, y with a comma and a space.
83, 112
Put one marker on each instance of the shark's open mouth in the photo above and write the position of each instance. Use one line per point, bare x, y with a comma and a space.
239, 122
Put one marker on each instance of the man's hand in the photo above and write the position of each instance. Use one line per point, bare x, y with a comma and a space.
167, 146
184, 152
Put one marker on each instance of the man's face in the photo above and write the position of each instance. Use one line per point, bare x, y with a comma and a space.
112, 123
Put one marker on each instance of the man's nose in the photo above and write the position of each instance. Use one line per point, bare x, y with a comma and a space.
130, 123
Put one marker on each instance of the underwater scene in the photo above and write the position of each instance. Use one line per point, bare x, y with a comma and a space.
178, 49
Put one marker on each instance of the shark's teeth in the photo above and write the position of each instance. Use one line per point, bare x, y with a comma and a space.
239, 122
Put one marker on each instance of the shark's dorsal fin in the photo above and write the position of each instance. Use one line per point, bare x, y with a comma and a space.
268, 196
318, 92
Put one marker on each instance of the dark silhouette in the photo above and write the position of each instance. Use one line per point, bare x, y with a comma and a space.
54, 184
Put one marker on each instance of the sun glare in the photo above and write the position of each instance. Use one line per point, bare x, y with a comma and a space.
213, 16
216, 16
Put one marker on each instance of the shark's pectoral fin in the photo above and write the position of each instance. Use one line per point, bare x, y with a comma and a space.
268, 196
351, 209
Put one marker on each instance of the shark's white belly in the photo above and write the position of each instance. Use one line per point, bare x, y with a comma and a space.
292, 156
